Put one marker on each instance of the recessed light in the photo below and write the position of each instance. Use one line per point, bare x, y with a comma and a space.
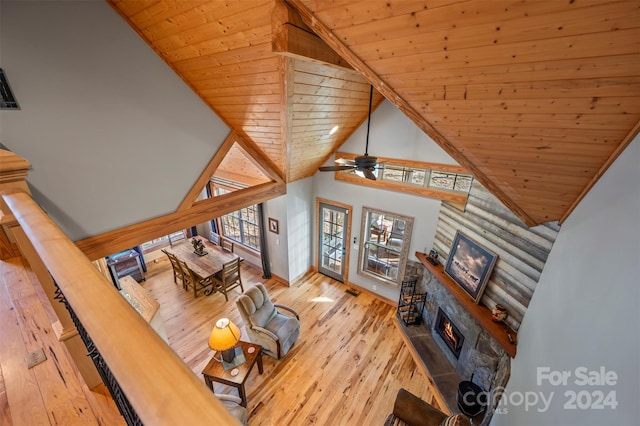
335, 129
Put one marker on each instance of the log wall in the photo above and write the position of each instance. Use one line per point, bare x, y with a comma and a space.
522, 251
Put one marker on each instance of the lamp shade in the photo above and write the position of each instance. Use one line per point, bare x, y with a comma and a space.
224, 335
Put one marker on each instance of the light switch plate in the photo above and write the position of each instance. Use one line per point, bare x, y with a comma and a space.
36, 357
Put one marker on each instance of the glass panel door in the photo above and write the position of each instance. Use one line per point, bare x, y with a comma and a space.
332, 241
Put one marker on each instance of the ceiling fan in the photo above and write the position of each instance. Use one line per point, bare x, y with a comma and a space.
366, 163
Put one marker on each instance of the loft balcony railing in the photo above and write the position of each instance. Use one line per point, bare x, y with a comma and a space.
149, 382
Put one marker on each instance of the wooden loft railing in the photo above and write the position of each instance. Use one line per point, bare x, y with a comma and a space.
159, 386
13, 175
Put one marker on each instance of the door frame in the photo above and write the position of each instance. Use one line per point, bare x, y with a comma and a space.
347, 250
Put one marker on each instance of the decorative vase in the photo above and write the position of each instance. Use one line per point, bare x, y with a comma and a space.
499, 313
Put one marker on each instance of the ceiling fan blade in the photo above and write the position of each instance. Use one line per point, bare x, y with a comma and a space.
368, 173
344, 161
334, 168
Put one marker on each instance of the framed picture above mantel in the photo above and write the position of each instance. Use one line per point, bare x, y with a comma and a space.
469, 265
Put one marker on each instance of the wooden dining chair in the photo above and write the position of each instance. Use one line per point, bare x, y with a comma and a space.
226, 244
177, 236
229, 278
193, 281
177, 271
214, 237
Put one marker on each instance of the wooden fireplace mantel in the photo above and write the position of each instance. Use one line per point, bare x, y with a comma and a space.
481, 313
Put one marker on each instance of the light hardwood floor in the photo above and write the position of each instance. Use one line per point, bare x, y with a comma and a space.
345, 368
52, 392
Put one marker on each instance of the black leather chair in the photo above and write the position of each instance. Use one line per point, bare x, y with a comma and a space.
410, 410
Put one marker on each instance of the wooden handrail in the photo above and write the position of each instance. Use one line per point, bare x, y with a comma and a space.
160, 387
13, 176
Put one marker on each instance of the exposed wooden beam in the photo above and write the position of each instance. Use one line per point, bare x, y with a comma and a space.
344, 51
208, 171
257, 157
252, 153
409, 163
455, 198
129, 236
290, 36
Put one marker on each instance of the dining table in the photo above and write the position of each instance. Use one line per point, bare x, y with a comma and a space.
204, 266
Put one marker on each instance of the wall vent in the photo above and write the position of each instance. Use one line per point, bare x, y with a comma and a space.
7, 100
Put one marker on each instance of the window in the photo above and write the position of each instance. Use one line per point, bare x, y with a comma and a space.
155, 244
241, 226
163, 241
450, 181
403, 174
384, 244
428, 178
444, 182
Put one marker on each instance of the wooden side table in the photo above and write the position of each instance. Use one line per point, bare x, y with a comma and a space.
214, 371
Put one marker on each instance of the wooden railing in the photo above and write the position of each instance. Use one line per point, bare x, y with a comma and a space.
159, 386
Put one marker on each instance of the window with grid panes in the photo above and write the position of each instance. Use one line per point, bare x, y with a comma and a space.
241, 225
384, 245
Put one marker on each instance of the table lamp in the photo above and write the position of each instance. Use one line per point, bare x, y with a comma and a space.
223, 339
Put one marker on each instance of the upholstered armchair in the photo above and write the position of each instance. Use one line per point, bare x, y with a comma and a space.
266, 326
232, 404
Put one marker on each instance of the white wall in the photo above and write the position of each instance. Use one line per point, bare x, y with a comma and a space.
290, 249
392, 135
300, 224
585, 311
102, 115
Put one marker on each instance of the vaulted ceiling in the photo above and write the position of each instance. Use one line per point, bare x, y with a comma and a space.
535, 98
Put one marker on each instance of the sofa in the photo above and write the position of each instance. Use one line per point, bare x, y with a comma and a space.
410, 410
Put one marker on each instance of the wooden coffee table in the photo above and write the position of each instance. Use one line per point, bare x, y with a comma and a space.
214, 371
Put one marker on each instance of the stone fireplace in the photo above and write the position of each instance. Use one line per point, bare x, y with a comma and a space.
458, 348
478, 353
482, 348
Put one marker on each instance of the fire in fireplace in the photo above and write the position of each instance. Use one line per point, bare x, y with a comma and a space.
448, 331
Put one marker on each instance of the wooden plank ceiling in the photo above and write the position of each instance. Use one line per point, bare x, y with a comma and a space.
287, 106
535, 97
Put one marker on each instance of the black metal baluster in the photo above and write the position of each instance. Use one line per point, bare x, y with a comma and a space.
109, 380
